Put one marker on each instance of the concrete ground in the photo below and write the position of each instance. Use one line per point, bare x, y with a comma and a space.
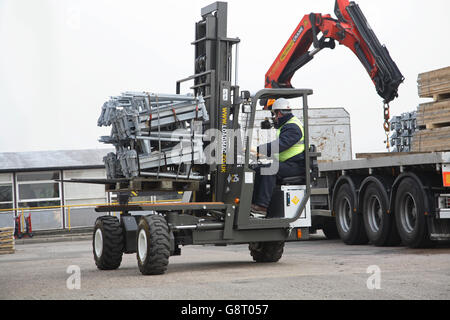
318, 269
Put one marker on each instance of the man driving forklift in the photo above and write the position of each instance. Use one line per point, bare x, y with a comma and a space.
290, 144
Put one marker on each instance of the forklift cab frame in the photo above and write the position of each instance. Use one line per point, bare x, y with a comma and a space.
244, 219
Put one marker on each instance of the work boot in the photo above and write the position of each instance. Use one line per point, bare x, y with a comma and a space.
258, 211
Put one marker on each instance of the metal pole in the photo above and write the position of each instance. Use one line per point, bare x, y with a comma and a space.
168, 175
236, 65
68, 217
23, 221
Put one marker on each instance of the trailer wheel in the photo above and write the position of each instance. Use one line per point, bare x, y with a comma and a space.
378, 222
153, 245
410, 215
349, 223
265, 252
107, 243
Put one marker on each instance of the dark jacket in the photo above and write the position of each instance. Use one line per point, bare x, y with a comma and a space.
290, 135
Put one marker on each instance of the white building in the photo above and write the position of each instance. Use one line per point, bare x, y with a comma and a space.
27, 180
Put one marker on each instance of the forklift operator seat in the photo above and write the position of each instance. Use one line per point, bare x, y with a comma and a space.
301, 180
297, 181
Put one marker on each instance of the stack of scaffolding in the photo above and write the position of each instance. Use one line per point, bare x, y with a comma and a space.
6, 240
403, 128
155, 135
433, 118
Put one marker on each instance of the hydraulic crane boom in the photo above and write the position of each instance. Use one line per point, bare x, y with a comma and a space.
350, 29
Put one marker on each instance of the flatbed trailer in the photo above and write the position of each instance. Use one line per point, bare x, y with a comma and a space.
385, 199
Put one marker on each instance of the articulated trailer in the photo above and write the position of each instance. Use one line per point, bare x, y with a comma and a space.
385, 199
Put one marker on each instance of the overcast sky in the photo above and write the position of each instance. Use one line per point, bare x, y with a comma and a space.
60, 60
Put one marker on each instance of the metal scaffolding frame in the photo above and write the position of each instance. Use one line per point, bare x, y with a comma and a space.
157, 135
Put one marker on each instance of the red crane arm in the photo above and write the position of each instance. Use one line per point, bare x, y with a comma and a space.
351, 30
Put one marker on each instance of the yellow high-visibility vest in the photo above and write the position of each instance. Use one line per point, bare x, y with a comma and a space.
297, 148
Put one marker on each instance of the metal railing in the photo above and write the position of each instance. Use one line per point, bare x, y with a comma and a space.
20, 211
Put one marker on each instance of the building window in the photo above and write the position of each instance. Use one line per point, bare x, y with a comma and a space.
81, 199
6, 196
38, 190
6, 191
6, 200
38, 176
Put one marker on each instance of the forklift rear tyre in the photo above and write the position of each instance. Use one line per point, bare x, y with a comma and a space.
264, 252
107, 243
153, 245
349, 223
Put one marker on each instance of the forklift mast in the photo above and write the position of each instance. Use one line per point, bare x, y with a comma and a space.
213, 80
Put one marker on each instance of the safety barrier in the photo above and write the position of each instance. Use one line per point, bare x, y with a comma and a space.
20, 212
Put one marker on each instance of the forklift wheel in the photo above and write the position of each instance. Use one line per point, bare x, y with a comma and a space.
107, 243
263, 252
153, 245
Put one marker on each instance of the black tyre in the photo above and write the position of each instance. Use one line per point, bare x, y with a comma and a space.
153, 245
349, 223
410, 215
379, 223
265, 252
329, 229
107, 243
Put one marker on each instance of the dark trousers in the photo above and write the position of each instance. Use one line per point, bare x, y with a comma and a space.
265, 184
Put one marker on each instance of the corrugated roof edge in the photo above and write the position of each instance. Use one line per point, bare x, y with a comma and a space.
52, 160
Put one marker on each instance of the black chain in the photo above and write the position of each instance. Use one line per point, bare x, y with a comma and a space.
387, 125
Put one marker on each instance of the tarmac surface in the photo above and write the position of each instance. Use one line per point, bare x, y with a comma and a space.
317, 269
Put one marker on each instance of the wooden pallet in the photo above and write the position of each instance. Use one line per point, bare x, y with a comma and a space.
432, 140
433, 118
434, 114
435, 84
7, 245
5, 237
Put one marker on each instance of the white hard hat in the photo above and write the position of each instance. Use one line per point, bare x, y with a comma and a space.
281, 104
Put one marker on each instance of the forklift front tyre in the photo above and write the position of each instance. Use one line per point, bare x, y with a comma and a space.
153, 245
265, 252
107, 243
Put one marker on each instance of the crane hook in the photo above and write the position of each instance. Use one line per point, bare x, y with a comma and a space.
387, 125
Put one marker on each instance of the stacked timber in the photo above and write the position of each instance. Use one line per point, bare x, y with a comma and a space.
433, 118
435, 84
6, 240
